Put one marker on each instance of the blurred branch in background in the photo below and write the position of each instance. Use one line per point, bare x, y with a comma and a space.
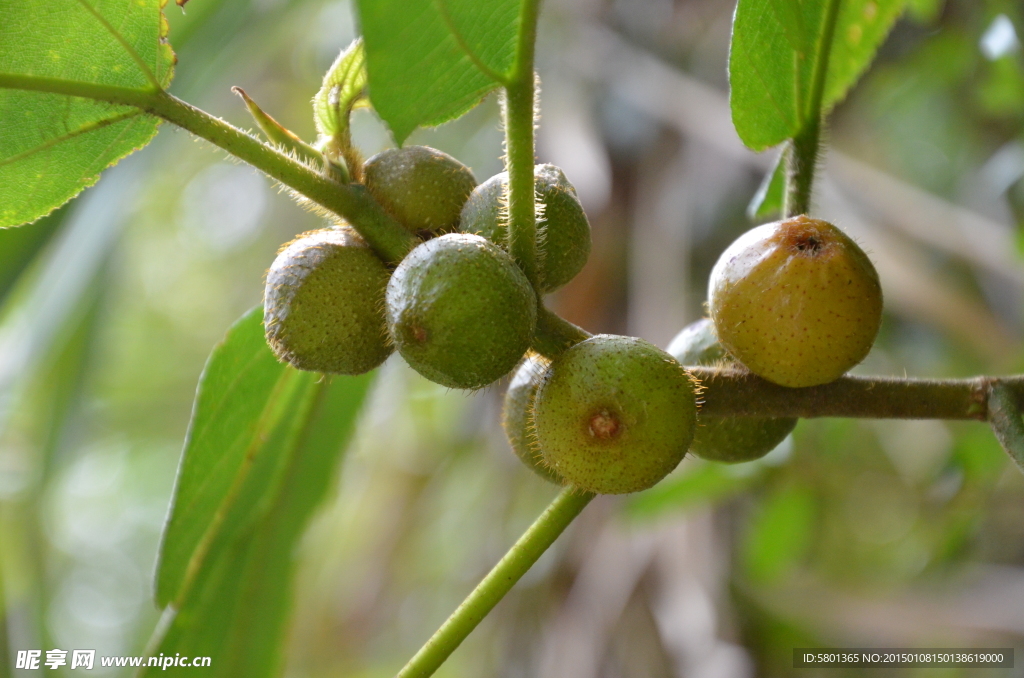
982, 606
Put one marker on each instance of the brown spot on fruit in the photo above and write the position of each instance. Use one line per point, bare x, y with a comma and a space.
604, 425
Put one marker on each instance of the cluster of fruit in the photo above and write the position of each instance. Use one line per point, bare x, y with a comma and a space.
457, 307
796, 302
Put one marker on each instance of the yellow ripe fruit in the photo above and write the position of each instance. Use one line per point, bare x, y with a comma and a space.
796, 301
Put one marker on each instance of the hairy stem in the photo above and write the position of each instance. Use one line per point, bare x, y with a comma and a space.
519, 147
734, 393
801, 158
803, 152
387, 237
534, 542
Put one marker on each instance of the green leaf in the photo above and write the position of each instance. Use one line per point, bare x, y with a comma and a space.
342, 90
244, 416
861, 28
771, 194
53, 146
487, 31
775, 46
267, 438
420, 72
1005, 419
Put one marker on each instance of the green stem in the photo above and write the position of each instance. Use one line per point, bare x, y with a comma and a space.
519, 147
1004, 417
534, 542
555, 334
801, 158
387, 237
802, 155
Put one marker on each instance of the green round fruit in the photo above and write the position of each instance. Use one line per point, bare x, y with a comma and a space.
422, 188
517, 414
323, 304
563, 232
726, 439
697, 344
614, 414
460, 311
796, 301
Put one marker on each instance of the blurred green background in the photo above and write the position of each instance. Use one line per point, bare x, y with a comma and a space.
852, 533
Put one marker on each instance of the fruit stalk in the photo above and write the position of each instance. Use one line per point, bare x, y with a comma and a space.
522, 220
801, 159
534, 542
555, 334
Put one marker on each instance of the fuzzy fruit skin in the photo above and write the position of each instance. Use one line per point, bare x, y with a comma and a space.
614, 414
725, 439
460, 311
517, 414
563, 232
796, 301
324, 301
423, 188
